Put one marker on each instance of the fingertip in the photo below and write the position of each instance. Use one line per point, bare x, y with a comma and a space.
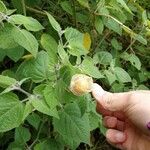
115, 136
110, 121
97, 91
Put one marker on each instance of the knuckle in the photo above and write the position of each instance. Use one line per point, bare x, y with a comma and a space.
108, 101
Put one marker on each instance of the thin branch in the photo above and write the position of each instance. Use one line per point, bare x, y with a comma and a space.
120, 23
74, 13
44, 14
23, 91
129, 47
38, 134
24, 7
35, 11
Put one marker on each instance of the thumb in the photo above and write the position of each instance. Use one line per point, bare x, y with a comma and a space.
110, 101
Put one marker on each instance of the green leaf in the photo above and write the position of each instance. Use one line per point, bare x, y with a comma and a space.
51, 46
50, 96
110, 76
73, 127
100, 5
25, 69
29, 23
63, 54
14, 146
53, 22
39, 90
27, 110
26, 40
11, 112
41, 106
15, 53
76, 42
40, 67
9, 72
66, 73
83, 102
2, 7
102, 128
36, 68
10, 12
18, 5
34, 120
142, 87
66, 6
139, 38
113, 25
135, 36
116, 44
22, 135
94, 120
6, 81
122, 75
72, 35
103, 9
102, 57
64, 95
134, 60
49, 144
6, 39
84, 3
124, 5
89, 68
144, 18
2, 54
117, 87
99, 25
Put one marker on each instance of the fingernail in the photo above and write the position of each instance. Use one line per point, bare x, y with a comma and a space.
120, 137
97, 91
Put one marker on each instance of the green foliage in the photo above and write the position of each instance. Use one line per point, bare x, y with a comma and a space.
43, 44
11, 112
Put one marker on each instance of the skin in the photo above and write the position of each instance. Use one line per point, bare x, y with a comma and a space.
125, 115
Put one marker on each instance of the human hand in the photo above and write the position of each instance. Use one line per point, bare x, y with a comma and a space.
127, 117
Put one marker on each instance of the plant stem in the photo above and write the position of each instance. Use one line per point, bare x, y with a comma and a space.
120, 23
23, 91
74, 13
24, 100
38, 134
23, 6
35, 11
30, 88
44, 14
129, 47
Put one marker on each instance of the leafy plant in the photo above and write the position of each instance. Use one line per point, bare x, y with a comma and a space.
43, 44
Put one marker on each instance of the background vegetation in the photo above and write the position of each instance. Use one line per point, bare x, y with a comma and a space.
43, 43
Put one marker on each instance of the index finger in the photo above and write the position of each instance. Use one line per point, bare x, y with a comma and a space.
100, 109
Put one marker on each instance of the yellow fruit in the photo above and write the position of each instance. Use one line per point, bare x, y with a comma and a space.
81, 84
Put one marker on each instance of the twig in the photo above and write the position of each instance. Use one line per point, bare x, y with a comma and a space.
35, 11
98, 45
24, 7
23, 91
44, 14
38, 134
74, 13
129, 47
120, 23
